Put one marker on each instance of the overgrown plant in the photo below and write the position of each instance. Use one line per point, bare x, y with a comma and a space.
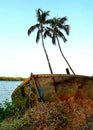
8, 109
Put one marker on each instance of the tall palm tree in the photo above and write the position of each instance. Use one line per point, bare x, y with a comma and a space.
40, 26
56, 25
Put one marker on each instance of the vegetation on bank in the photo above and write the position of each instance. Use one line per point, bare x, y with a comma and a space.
3, 78
66, 115
14, 118
8, 109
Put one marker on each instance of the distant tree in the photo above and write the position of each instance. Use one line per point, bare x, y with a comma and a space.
56, 25
42, 21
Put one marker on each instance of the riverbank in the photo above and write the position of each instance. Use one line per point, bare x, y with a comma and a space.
5, 78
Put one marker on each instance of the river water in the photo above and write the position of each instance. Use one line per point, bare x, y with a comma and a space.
6, 89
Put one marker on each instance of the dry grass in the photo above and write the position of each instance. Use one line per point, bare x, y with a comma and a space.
71, 114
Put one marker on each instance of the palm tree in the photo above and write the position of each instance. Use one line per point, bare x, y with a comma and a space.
56, 25
40, 26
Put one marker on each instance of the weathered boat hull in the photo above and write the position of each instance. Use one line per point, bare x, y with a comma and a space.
66, 86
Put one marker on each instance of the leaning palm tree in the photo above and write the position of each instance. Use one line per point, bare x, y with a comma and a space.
40, 26
56, 25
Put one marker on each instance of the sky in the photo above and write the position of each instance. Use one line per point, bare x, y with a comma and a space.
19, 53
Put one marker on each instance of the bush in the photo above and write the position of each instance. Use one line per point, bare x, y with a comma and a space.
8, 109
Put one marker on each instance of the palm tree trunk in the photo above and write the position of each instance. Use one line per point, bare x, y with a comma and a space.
64, 56
55, 87
46, 54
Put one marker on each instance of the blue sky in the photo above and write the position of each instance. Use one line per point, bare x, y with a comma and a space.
20, 55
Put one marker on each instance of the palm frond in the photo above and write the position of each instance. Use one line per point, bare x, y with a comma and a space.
62, 20
38, 36
48, 21
55, 22
61, 35
32, 28
52, 30
45, 14
54, 39
66, 28
47, 33
38, 14
41, 15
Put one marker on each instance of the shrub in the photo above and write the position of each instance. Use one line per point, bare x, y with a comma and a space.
8, 109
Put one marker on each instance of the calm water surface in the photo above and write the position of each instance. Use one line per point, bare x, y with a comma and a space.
6, 89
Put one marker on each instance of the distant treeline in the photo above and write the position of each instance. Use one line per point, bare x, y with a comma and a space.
12, 78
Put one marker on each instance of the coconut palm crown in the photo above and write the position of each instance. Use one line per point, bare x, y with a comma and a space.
58, 25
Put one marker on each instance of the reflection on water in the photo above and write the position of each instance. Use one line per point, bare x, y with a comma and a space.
6, 89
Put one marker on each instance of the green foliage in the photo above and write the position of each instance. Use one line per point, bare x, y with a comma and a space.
8, 109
